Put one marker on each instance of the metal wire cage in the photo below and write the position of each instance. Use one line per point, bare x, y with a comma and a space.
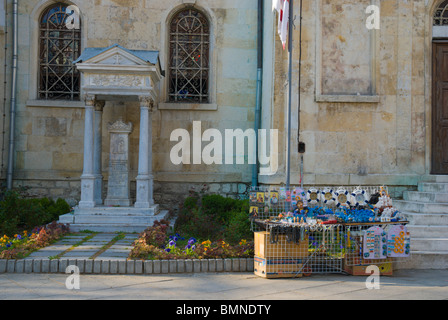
289, 243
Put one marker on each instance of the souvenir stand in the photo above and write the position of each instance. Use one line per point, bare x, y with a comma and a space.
299, 232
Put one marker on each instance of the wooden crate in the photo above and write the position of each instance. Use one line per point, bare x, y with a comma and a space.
274, 268
386, 268
281, 249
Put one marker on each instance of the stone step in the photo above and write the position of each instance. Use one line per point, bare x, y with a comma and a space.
429, 244
115, 219
436, 178
117, 210
433, 187
423, 260
128, 228
417, 196
423, 207
111, 222
428, 231
67, 218
426, 218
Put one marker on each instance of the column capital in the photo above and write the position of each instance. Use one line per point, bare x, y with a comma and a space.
90, 100
99, 105
146, 102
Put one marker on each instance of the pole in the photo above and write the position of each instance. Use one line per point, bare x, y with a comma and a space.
288, 152
299, 93
258, 106
13, 96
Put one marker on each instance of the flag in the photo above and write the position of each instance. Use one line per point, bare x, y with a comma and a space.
282, 7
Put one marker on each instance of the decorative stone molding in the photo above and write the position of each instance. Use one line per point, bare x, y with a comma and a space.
120, 126
116, 80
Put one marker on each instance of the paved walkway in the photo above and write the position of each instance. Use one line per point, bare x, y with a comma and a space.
404, 285
106, 246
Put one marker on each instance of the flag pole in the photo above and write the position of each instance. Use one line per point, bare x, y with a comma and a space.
290, 30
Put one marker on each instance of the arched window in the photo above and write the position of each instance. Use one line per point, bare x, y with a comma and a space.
59, 46
189, 47
441, 14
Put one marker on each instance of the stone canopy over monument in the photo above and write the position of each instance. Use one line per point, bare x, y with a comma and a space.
116, 74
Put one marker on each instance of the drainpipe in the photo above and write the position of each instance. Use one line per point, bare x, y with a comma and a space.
13, 95
257, 124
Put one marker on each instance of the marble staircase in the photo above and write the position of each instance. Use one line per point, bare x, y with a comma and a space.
427, 212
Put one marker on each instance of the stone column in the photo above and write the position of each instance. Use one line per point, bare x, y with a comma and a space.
88, 177
145, 178
118, 185
98, 149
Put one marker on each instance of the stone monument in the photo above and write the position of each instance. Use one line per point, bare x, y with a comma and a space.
117, 74
118, 193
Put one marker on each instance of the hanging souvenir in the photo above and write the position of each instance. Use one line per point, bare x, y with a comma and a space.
253, 197
253, 212
266, 197
398, 242
313, 196
288, 196
375, 244
342, 198
274, 197
360, 197
327, 196
300, 194
282, 193
260, 197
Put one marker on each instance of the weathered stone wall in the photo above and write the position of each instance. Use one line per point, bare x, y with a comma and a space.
365, 94
49, 135
380, 136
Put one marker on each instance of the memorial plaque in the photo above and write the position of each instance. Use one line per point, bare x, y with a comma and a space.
118, 184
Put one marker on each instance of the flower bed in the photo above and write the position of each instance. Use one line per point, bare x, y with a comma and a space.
155, 244
21, 245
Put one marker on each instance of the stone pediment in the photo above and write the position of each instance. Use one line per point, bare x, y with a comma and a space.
118, 59
117, 54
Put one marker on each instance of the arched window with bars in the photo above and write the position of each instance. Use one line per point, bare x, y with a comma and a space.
189, 51
441, 14
59, 46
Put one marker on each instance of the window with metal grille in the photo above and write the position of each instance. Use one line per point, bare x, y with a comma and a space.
189, 68
441, 14
59, 46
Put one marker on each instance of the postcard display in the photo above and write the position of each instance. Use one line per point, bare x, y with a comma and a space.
299, 232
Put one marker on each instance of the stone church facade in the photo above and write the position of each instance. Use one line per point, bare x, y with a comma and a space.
369, 113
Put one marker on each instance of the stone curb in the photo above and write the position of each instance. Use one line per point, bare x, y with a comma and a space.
138, 267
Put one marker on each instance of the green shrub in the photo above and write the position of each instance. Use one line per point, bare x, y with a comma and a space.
214, 217
18, 214
238, 227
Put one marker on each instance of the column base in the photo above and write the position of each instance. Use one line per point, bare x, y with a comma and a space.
98, 189
144, 192
87, 191
118, 202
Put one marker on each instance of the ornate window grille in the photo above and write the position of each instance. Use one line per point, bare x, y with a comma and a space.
441, 15
189, 68
59, 46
